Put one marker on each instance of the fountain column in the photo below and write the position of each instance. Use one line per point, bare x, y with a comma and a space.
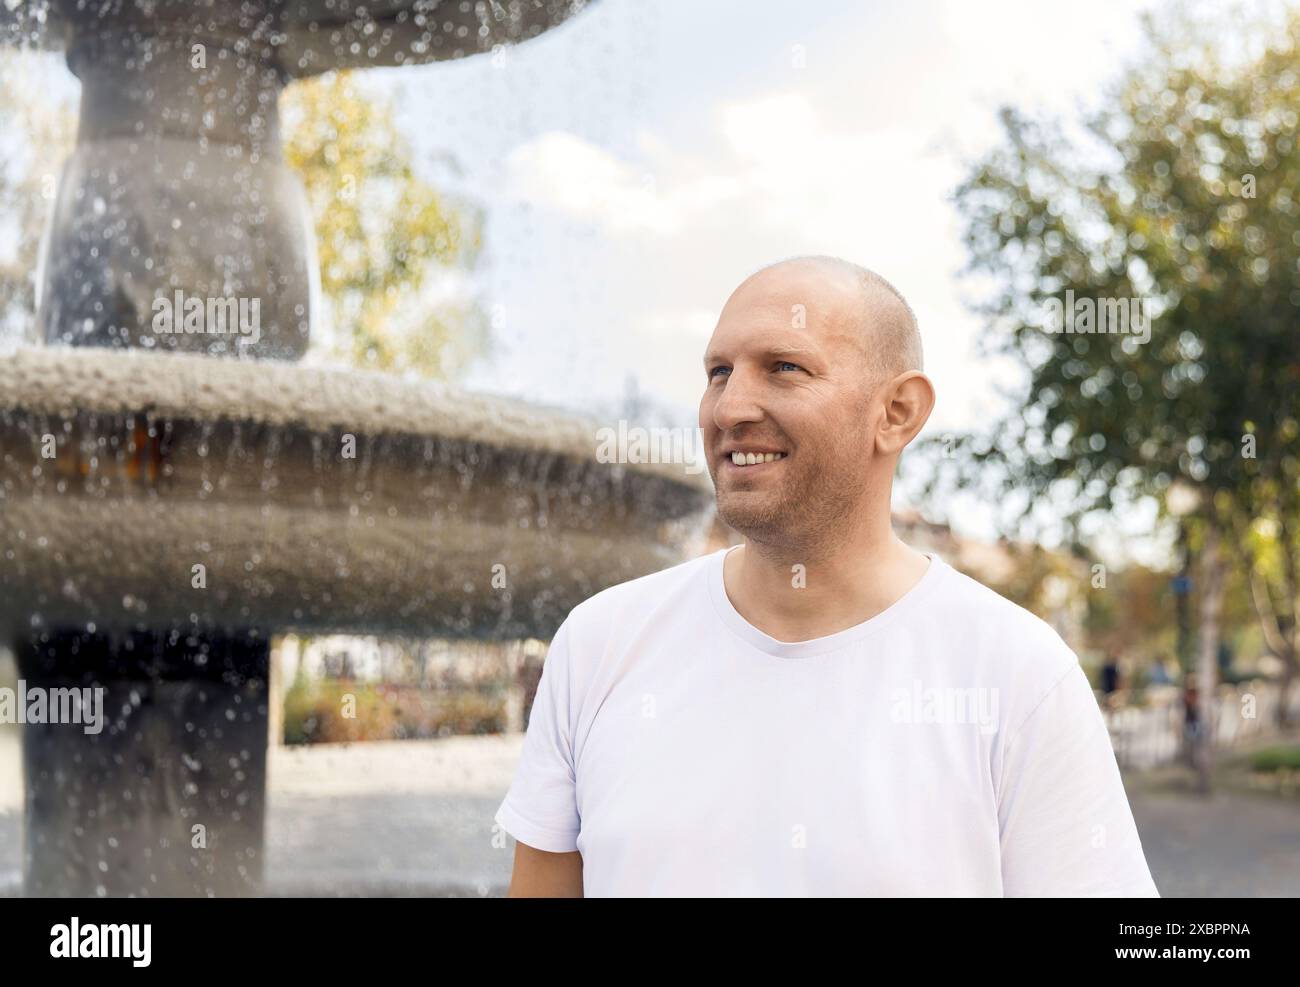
168, 798
177, 185
175, 195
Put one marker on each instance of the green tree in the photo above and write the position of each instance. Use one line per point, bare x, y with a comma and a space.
1181, 191
382, 232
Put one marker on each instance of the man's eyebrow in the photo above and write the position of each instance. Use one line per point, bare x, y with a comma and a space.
785, 349
776, 349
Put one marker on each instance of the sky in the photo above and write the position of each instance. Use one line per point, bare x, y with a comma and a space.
640, 161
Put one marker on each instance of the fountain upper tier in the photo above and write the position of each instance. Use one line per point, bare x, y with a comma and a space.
301, 37
177, 182
311, 499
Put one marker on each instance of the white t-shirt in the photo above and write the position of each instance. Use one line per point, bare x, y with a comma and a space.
950, 745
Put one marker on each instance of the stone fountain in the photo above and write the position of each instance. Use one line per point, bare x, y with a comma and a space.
170, 500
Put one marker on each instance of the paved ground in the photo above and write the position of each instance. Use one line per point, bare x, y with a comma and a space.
415, 817
403, 817
1229, 846
409, 817
1233, 843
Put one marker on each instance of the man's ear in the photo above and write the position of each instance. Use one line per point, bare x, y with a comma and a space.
908, 400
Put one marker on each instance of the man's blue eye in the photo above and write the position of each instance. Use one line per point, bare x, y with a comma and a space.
787, 363
714, 371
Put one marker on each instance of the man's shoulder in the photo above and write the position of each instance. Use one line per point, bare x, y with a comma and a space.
1011, 649
640, 595
981, 614
976, 599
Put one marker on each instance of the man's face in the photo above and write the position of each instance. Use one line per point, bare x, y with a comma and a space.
787, 374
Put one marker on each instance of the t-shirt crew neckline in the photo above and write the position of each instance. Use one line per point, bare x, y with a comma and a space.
767, 644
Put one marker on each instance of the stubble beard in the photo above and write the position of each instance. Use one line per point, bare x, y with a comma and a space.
797, 514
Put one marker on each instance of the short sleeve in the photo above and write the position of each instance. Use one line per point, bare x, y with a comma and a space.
1066, 826
540, 808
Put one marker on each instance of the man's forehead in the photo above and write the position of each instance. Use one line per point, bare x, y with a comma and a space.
830, 303
817, 289
798, 311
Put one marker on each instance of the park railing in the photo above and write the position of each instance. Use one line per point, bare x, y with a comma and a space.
1154, 733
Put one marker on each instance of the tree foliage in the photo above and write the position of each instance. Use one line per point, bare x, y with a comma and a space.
382, 232
1181, 190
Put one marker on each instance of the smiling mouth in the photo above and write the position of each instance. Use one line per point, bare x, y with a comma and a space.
755, 458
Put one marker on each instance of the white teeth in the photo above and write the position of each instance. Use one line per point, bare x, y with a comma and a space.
754, 458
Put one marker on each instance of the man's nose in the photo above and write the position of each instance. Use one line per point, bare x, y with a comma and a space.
739, 401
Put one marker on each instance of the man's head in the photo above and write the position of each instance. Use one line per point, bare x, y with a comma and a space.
818, 360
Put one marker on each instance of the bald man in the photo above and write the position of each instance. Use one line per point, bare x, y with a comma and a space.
821, 710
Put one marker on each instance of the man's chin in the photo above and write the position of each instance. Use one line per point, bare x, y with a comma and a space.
752, 515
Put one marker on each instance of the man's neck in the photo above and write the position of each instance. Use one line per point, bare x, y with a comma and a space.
831, 588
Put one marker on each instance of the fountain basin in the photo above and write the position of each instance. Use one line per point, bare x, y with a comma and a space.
314, 500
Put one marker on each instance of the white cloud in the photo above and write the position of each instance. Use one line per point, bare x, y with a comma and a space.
779, 166
697, 323
780, 178
588, 183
